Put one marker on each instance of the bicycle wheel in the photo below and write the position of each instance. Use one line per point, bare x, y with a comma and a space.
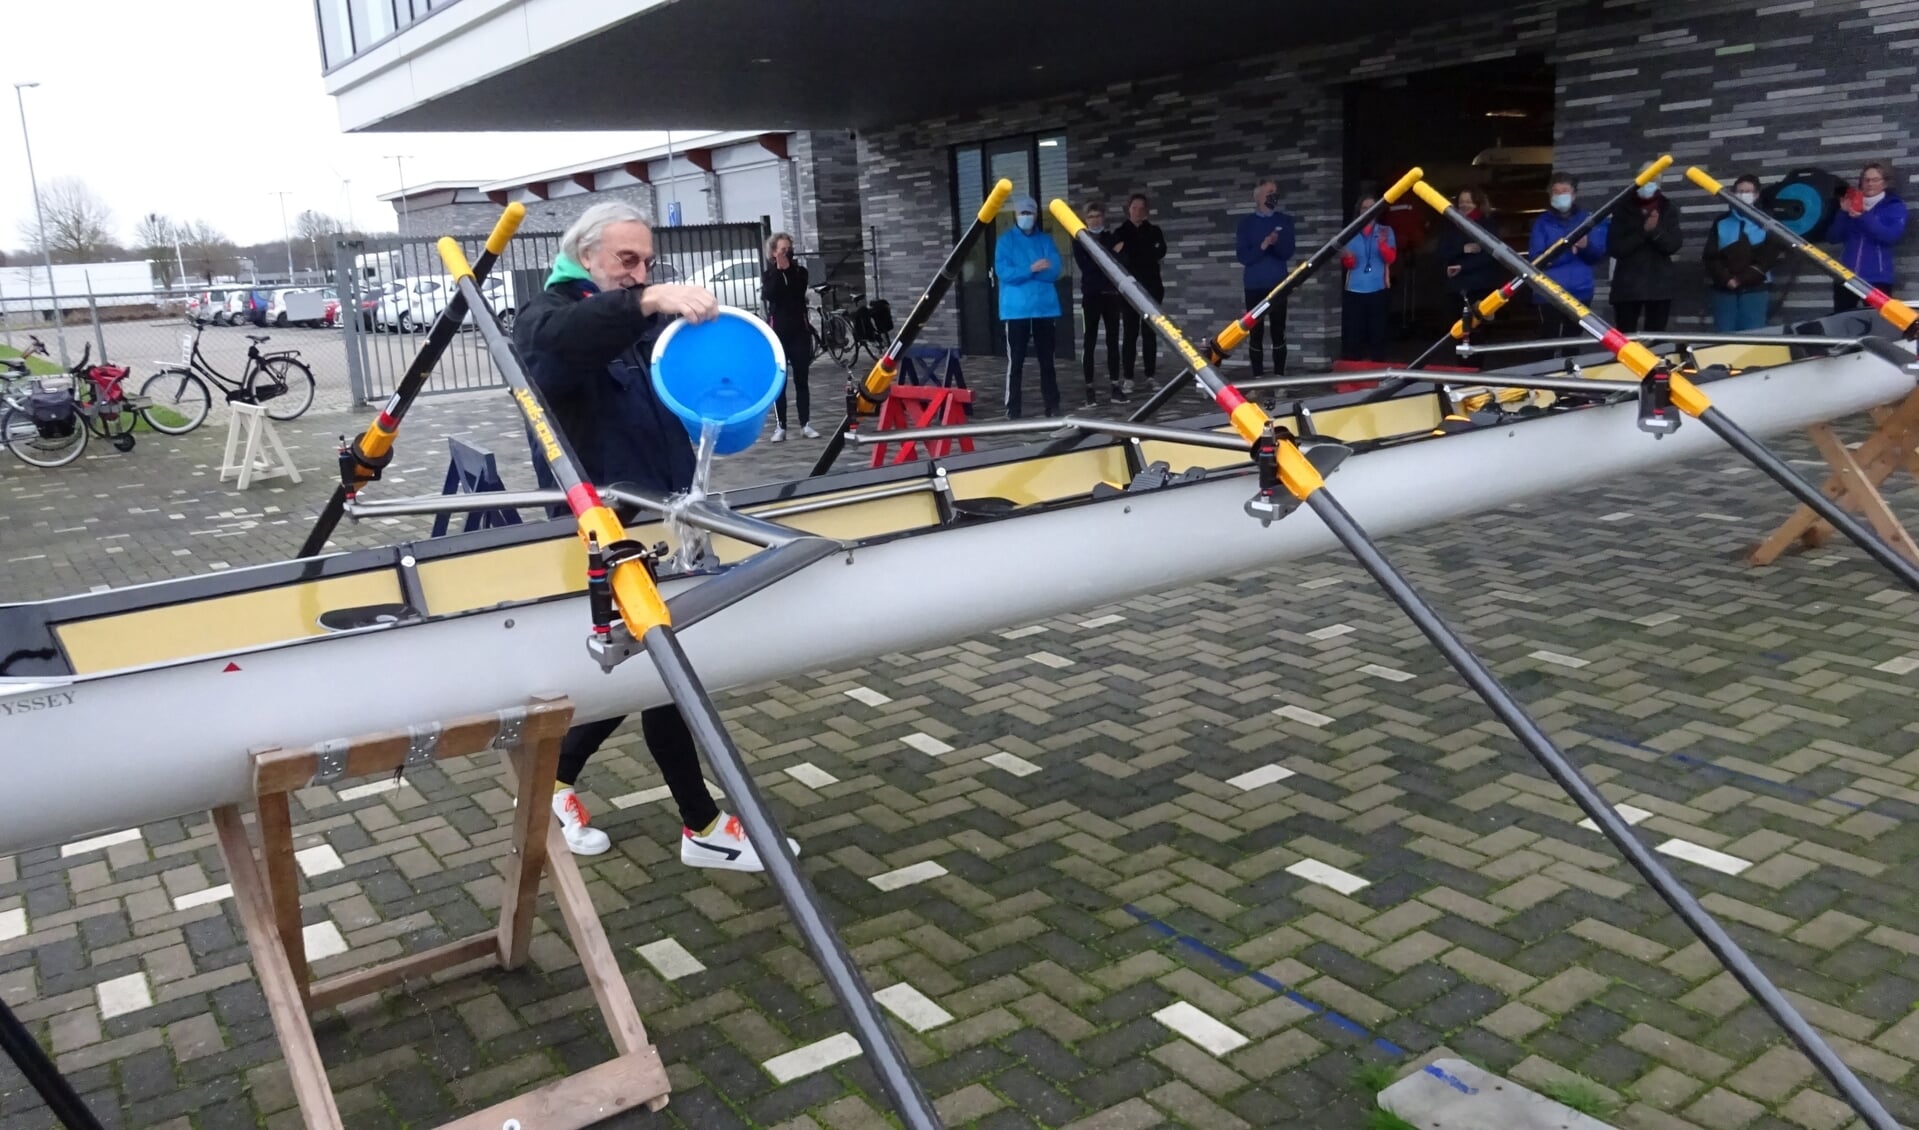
283, 386
23, 438
107, 419
177, 401
839, 336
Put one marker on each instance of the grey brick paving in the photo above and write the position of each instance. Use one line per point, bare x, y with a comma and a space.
1125, 875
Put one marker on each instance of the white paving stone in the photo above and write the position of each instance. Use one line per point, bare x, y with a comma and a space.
1326, 875
811, 775
1572, 661
1515, 597
813, 1057
385, 785
927, 744
644, 796
1331, 631
13, 923
1022, 633
1254, 778
1102, 621
79, 847
1900, 666
1013, 763
1056, 662
1199, 1027
123, 995
1704, 856
1390, 674
906, 876
201, 898
1656, 619
868, 695
913, 1006
1301, 714
1626, 812
318, 860
323, 940
1616, 516
671, 959
1320, 583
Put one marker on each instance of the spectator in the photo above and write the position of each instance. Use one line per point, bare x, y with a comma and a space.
1367, 303
1098, 304
1870, 223
1265, 247
1471, 271
1140, 246
1643, 239
783, 289
1739, 256
1573, 269
1026, 264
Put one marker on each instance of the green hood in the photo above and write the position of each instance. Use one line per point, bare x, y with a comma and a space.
566, 270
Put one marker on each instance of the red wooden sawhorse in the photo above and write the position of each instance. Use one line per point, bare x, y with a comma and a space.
922, 406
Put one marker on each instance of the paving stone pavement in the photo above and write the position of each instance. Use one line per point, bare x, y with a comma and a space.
1190, 859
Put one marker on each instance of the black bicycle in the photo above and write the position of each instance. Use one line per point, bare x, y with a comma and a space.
844, 331
279, 382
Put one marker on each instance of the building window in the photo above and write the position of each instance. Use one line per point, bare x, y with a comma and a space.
350, 27
1037, 166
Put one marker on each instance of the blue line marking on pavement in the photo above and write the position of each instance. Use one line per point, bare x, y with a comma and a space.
1352, 1027
1692, 762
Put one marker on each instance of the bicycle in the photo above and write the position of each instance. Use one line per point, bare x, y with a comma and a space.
269, 378
832, 332
48, 422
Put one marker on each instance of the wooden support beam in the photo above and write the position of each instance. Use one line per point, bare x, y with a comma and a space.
540, 190
639, 170
774, 143
584, 180
499, 196
701, 159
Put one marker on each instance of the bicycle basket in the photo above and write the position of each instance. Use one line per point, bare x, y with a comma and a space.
52, 410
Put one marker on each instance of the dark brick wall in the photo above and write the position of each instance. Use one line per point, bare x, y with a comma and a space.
829, 196
1731, 86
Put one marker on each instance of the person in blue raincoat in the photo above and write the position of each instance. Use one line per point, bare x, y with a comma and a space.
1868, 226
1026, 262
1573, 269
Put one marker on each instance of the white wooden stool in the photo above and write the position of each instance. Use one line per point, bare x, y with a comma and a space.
263, 455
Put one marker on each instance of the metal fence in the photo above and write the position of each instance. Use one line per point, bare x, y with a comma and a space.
398, 286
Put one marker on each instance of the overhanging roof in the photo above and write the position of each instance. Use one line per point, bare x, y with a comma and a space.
807, 64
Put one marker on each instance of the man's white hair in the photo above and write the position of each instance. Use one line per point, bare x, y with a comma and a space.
580, 239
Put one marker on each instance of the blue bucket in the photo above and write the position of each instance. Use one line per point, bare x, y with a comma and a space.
727, 371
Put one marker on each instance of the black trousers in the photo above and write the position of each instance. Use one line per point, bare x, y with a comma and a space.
670, 743
1039, 332
1275, 322
1552, 323
1137, 342
1363, 325
1627, 315
1100, 310
796, 370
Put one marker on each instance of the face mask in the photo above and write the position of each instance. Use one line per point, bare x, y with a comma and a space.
1746, 197
1562, 202
1026, 222
1648, 191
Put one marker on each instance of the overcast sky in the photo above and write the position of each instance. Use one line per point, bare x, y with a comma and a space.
199, 111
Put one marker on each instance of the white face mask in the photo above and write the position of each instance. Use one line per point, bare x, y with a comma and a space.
1746, 197
1562, 202
1026, 222
1648, 191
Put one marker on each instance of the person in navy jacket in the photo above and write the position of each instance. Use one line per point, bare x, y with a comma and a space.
1869, 224
1265, 248
1026, 264
1573, 269
1099, 304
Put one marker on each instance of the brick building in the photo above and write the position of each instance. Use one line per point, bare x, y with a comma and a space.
1192, 104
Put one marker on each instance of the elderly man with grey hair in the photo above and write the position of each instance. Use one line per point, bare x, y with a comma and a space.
585, 342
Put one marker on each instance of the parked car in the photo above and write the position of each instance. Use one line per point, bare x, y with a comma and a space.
297, 305
734, 281
246, 306
413, 304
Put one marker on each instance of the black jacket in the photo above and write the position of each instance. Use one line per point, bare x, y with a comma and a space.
1643, 270
1093, 282
1739, 258
587, 354
1141, 247
1479, 273
784, 292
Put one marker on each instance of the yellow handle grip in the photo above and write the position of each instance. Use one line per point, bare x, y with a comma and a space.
503, 231
1698, 176
454, 259
1432, 196
1899, 314
1066, 218
995, 200
1653, 170
1229, 338
1403, 184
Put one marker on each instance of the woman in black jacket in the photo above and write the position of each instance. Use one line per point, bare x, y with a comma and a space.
783, 288
1644, 237
1471, 270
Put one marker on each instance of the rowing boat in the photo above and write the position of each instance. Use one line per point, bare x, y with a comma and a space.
154, 694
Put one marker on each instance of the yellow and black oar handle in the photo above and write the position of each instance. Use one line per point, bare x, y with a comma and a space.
1903, 317
1660, 388
1281, 463
627, 565
863, 396
362, 461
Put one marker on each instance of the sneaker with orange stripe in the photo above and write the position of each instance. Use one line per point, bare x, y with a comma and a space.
725, 847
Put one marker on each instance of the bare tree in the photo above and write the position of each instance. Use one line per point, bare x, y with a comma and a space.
79, 224
314, 225
209, 252
154, 237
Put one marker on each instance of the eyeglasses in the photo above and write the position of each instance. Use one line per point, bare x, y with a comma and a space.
631, 261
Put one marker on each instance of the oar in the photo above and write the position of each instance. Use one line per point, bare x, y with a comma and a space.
362, 461
865, 396
38, 1069
620, 581
1903, 317
1302, 480
1662, 388
1226, 340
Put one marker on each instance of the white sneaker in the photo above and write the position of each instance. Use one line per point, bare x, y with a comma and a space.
584, 840
779, 435
807, 431
726, 848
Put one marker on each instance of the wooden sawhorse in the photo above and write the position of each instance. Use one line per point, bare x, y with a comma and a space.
1855, 481
528, 739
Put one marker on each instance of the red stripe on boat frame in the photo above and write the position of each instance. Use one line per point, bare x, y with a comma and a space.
1614, 341
1876, 298
583, 498
1229, 398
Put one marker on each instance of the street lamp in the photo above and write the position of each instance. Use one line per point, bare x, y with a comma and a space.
46, 252
285, 234
398, 159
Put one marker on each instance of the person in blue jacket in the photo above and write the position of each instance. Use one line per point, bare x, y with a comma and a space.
1573, 269
1265, 247
1366, 305
1026, 263
1869, 224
